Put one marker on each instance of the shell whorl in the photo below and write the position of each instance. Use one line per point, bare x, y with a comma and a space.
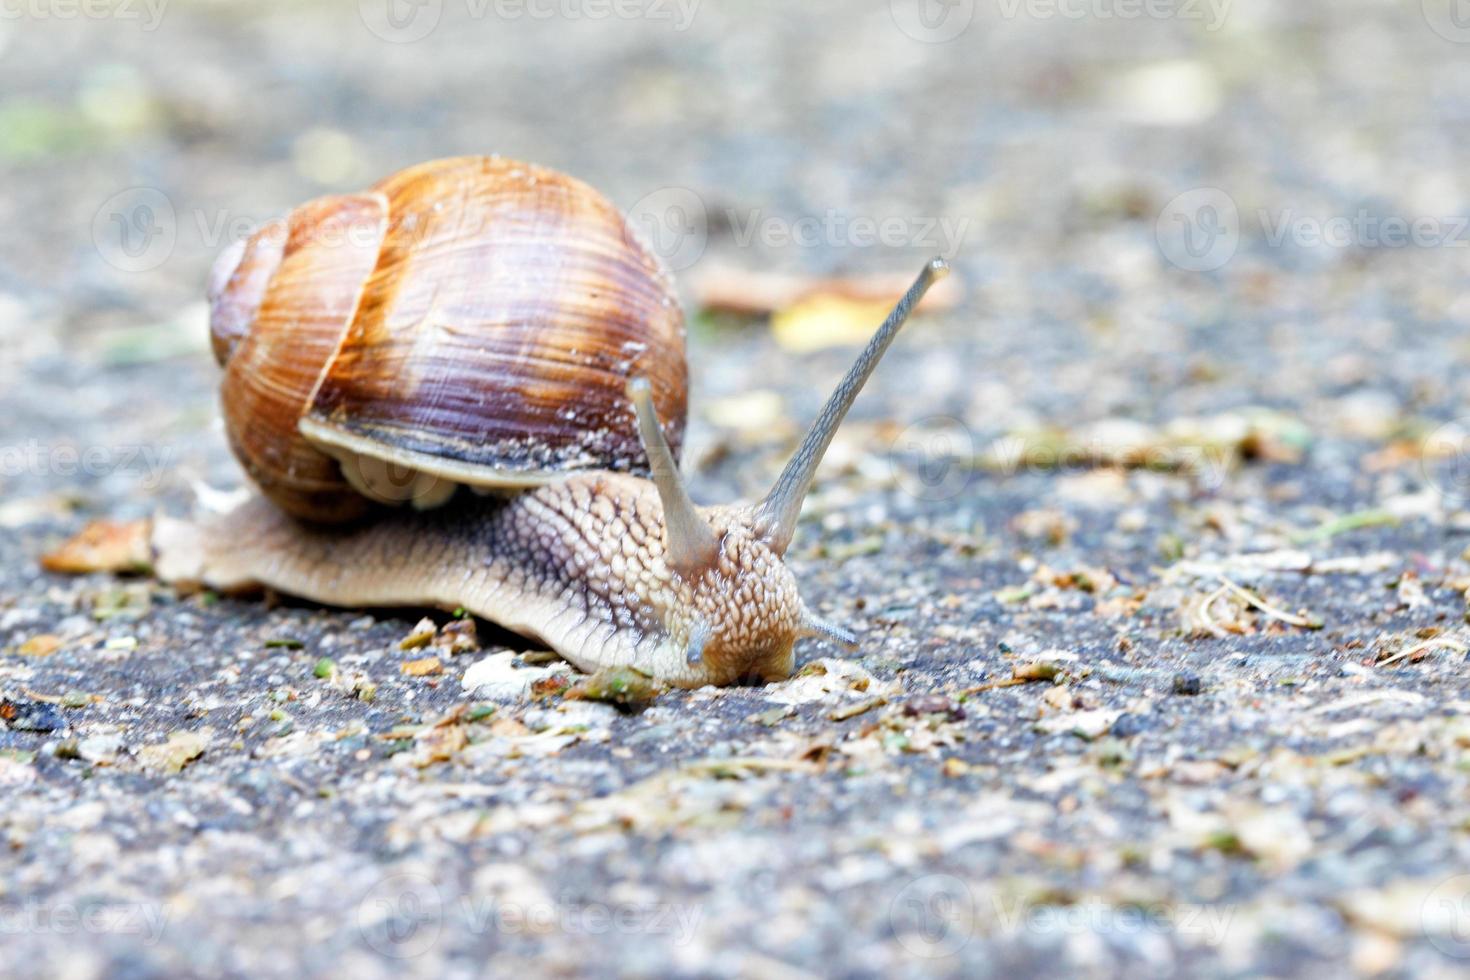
471, 320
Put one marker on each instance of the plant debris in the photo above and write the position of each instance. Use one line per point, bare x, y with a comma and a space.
621, 686
170, 758
104, 546
422, 667
456, 636
40, 645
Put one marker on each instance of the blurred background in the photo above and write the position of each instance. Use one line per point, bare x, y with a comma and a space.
1210, 260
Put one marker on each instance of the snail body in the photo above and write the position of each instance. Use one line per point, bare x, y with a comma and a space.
577, 565
486, 323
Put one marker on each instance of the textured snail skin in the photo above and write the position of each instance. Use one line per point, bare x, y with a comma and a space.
578, 565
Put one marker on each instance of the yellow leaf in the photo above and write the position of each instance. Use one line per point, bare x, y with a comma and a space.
826, 320
422, 668
40, 645
172, 756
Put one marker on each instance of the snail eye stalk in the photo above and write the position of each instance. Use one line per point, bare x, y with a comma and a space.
690, 545
777, 514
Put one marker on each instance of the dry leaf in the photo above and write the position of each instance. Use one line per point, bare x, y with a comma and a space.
497, 678
422, 667
824, 677
421, 636
439, 744
104, 546
172, 756
458, 636
455, 636
40, 645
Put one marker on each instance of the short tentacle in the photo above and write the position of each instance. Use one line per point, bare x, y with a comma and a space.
690, 545
816, 626
699, 638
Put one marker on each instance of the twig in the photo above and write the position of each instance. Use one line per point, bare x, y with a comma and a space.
1271, 611
1418, 649
1207, 620
58, 698
853, 710
1008, 682
1347, 522
754, 763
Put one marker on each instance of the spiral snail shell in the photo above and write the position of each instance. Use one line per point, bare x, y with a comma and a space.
465, 321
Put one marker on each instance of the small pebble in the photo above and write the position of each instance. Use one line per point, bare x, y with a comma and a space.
1186, 684
1129, 725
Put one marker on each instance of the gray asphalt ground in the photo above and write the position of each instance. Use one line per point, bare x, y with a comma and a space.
1156, 543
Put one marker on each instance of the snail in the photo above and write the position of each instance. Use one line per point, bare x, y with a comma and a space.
483, 323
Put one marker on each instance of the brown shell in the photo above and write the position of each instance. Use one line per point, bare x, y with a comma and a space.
473, 320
